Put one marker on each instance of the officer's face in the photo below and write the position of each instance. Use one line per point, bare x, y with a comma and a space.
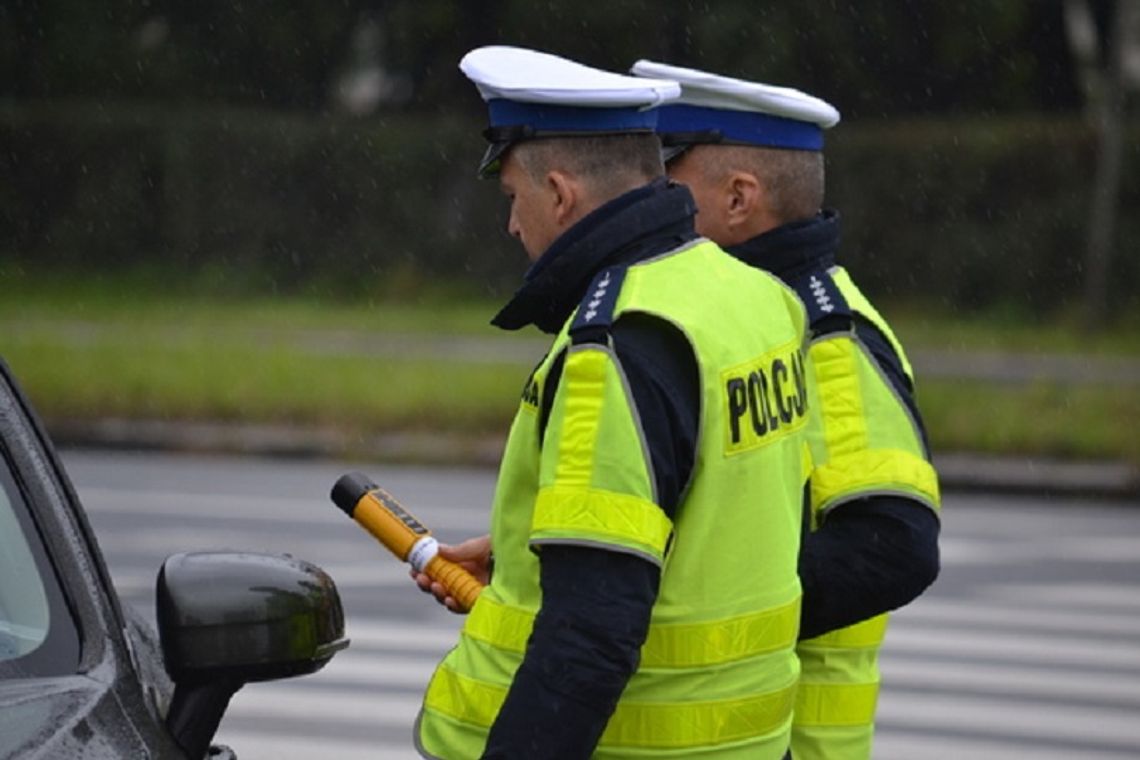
709, 194
533, 215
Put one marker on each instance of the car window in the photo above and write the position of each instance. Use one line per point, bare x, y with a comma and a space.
37, 633
23, 601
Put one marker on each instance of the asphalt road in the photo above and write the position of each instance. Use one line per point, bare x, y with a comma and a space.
1028, 646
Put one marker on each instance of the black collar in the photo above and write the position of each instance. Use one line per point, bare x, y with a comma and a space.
644, 222
794, 249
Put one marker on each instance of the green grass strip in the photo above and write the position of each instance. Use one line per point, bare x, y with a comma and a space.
86, 349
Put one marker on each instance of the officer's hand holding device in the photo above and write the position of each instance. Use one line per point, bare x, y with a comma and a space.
378, 512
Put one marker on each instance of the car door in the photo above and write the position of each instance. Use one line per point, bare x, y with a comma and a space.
69, 681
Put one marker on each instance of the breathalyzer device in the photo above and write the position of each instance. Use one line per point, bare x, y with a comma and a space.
378, 512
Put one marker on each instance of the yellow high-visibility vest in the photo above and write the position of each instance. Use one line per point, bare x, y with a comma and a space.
718, 672
867, 444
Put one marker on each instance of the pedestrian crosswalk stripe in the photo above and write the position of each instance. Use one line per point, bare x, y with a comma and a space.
1012, 647
1123, 597
903, 745
1036, 720
434, 636
382, 671
281, 700
916, 672
960, 613
250, 744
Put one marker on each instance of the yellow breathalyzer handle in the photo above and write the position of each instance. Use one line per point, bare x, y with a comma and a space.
378, 512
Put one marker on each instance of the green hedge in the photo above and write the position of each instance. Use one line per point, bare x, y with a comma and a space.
965, 215
978, 213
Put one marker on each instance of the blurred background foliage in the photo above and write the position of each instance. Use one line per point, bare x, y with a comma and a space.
330, 147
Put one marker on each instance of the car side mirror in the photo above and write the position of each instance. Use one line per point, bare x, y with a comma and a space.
229, 618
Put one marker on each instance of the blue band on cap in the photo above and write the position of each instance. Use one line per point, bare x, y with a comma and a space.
543, 117
748, 127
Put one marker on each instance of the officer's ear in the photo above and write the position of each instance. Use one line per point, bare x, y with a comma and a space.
744, 196
565, 194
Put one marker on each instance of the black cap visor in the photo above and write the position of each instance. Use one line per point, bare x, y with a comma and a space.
500, 139
492, 161
674, 144
673, 152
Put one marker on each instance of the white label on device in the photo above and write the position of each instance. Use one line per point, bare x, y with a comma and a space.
422, 553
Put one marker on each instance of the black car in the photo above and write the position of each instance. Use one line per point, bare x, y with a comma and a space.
84, 676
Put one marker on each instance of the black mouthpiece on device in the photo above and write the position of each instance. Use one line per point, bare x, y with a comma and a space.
348, 490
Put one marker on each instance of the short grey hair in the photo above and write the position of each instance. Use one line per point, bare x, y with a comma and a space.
608, 164
793, 179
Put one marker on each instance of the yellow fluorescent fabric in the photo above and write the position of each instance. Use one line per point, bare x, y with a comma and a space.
585, 373
834, 704
601, 491
677, 645
637, 724
841, 400
859, 303
593, 438
605, 516
839, 689
875, 471
869, 633
703, 644
869, 443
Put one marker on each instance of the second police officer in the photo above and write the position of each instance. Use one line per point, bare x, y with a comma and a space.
751, 154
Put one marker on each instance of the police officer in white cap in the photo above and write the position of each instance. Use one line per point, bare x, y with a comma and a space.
656, 455
751, 154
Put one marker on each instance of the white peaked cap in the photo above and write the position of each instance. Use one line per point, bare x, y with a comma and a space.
531, 94
700, 88
529, 76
